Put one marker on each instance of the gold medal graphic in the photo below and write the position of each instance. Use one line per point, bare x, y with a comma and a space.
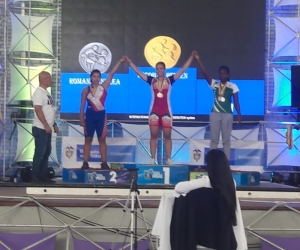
162, 49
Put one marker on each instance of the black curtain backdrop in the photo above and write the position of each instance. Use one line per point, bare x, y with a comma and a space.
224, 32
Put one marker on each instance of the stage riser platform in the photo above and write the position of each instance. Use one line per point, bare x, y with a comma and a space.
110, 216
46, 204
149, 175
154, 193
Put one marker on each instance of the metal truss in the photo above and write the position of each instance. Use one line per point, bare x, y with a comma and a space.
280, 60
3, 76
255, 231
29, 16
84, 227
263, 129
74, 225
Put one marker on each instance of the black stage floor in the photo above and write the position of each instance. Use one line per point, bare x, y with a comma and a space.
264, 186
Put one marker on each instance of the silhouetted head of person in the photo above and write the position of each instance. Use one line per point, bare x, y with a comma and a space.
220, 176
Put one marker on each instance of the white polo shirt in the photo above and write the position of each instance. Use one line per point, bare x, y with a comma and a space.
43, 98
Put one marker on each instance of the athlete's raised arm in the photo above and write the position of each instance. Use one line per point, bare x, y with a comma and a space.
185, 66
107, 82
204, 72
136, 70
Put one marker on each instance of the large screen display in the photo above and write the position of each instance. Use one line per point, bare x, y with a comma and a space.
129, 97
95, 34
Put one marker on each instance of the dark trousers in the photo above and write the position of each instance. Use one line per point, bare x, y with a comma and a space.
42, 152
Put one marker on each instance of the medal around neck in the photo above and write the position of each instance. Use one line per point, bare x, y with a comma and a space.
222, 89
93, 91
160, 85
160, 95
221, 99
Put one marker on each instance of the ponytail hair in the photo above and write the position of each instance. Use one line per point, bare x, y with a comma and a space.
220, 176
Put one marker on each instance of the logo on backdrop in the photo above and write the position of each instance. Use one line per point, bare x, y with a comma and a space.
95, 56
197, 154
115, 153
72, 175
69, 151
199, 176
251, 178
96, 177
150, 174
162, 49
245, 156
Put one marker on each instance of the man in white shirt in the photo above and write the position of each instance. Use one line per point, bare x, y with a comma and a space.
43, 124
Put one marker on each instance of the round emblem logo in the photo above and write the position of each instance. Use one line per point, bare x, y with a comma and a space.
95, 56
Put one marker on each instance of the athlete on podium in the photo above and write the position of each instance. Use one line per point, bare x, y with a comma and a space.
94, 118
221, 117
160, 110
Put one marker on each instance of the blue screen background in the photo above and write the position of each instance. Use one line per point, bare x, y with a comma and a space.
128, 94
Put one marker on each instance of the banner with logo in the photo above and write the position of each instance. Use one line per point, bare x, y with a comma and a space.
148, 174
120, 150
245, 155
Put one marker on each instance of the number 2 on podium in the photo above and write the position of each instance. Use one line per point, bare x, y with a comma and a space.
113, 176
167, 175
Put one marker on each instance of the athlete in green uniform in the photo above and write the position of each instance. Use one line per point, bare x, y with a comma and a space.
221, 117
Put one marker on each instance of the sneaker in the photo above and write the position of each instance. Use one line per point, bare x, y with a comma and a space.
85, 165
104, 165
169, 162
152, 162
